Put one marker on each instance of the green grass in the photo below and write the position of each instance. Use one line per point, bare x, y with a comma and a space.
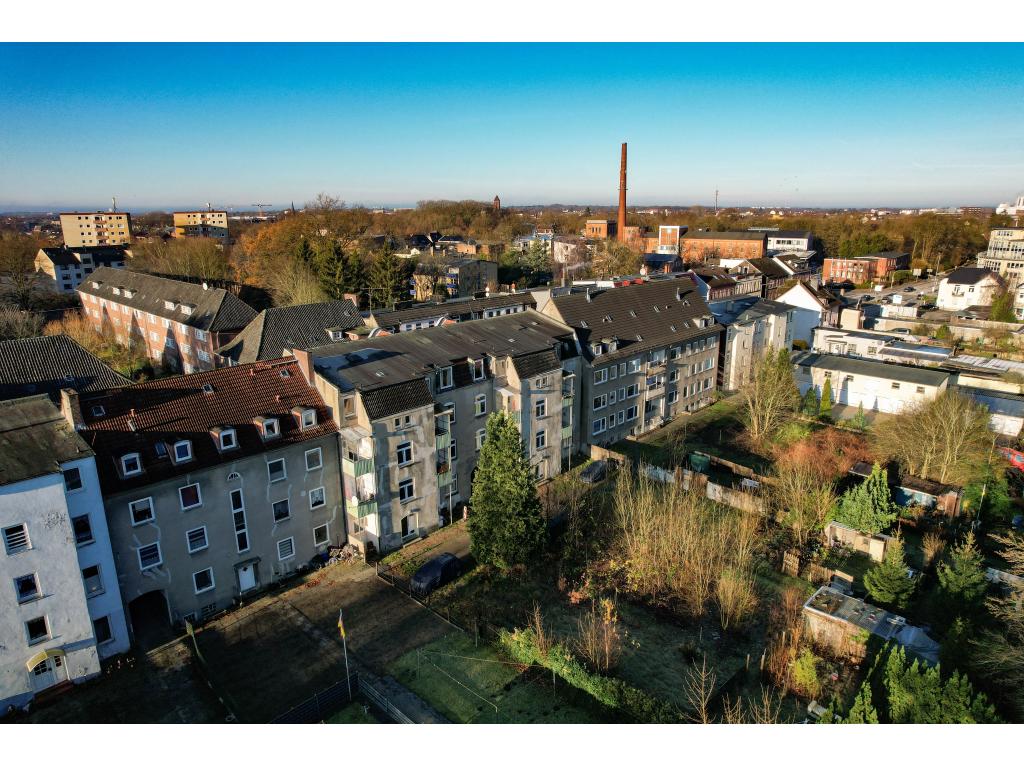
353, 714
856, 564
475, 684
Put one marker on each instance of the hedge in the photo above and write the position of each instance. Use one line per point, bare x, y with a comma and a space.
521, 645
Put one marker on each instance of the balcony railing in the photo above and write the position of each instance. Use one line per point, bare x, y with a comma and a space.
442, 441
567, 432
367, 506
357, 467
444, 478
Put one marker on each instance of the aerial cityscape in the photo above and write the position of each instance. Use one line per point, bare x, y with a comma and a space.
466, 422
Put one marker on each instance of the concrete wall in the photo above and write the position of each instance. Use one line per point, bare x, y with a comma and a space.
870, 392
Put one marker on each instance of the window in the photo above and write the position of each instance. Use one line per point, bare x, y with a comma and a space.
451, 416
150, 556
72, 479
286, 548
27, 588
203, 580
541, 439
601, 401
131, 465
632, 390
601, 376
101, 628
98, 411
270, 429
317, 498
37, 630
308, 419
320, 535
82, 528
444, 378
141, 511
406, 490
348, 407
282, 510
182, 451
478, 369
196, 539
238, 517
314, 459
480, 405
481, 435
673, 396
634, 365
895, 385
92, 580
276, 470
631, 413
540, 408
16, 539
228, 440
599, 426
920, 390
190, 496
403, 454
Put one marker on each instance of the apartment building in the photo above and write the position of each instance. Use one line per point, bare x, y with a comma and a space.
1005, 255
276, 331
66, 267
413, 407
969, 287
702, 246
650, 351
215, 484
753, 328
813, 307
44, 365
771, 275
201, 224
864, 269
454, 278
60, 608
443, 313
784, 241
99, 228
181, 325
868, 384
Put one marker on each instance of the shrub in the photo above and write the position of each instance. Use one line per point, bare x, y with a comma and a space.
805, 674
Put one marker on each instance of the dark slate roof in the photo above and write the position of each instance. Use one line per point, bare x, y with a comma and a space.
726, 236
138, 417
395, 398
34, 439
763, 308
641, 316
857, 366
101, 254
536, 362
969, 275
214, 309
769, 268
48, 364
297, 327
788, 233
457, 309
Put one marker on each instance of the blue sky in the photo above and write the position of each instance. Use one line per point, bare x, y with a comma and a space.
181, 125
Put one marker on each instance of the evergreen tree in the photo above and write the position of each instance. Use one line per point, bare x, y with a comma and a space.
917, 693
962, 578
387, 280
862, 711
825, 409
303, 251
868, 507
887, 582
506, 522
810, 405
353, 274
329, 263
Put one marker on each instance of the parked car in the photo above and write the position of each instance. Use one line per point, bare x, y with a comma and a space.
594, 472
901, 331
435, 573
909, 289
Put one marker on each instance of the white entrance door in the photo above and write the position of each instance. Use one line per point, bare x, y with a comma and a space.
247, 577
48, 672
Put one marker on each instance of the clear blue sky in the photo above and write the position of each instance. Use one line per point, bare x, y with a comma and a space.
171, 126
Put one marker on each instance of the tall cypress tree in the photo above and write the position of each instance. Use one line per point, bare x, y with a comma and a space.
825, 409
868, 507
887, 581
863, 711
506, 522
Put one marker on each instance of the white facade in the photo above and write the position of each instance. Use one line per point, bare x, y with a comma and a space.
959, 296
789, 241
807, 315
873, 386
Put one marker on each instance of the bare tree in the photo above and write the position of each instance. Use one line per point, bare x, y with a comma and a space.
769, 396
17, 323
800, 497
699, 689
999, 654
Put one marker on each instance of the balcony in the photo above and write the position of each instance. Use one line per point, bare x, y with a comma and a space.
357, 467
444, 478
442, 441
366, 506
567, 432
567, 401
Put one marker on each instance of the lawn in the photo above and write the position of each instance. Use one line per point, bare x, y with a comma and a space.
355, 713
472, 683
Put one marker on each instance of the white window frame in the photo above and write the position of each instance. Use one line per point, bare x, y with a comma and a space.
270, 429
234, 439
445, 375
188, 541
284, 470
540, 408
477, 368
602, 399
291, 540
540, 440
404, 448
174, 451
480, 405
159, 554
199, 495
307, 419
235, 512
600, 376
273, 510
480, 437
35, 582
213, 581
319, 459
124, 465
131, 511
603, 426
323, 497
327, 535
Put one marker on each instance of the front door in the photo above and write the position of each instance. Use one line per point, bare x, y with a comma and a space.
48, 672
247, 577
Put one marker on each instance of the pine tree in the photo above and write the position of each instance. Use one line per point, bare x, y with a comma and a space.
386, 280
353, 274
506, 522
825, 409
887, 582
962, 578
329, 262
810, 405
863, 711
868, 507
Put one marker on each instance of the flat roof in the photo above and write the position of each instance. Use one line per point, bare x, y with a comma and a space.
859, 366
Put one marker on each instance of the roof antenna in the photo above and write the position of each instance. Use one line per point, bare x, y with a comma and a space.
113, 204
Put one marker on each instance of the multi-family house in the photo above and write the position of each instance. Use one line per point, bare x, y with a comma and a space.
968, 287
754, 328
413, 408
813, 307
44, 365
863, 269
703, 246
97, 228
215, 484
772, 274
455, 311
878, 345
301, 326
60, 606
179, 324
650, 351
65, 267
201, 224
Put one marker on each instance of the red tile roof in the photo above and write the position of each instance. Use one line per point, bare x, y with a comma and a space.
138, 417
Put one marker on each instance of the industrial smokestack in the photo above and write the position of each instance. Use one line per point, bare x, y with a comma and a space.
622, 197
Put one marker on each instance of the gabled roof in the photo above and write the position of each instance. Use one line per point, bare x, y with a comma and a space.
48, 364
297, 327
35, 439
769, 268
969, 275
137, 418
640, 316
213, 309
100, 254
457, 309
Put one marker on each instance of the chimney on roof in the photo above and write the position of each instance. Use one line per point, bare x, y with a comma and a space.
679, 294
71, 408
622, 197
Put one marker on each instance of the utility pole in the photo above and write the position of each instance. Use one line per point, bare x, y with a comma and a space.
344, 645
716, 203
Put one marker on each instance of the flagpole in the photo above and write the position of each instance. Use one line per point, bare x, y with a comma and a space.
344, 645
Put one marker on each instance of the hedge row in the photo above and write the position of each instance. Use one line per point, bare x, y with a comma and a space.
521, 645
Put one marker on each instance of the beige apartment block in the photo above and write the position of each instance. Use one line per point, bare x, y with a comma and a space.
99, 228
201, 224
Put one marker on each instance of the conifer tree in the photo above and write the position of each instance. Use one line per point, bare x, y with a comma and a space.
863, 711
825, 409
962, 577
506, 522
810, 405
868, 507
329, 262
386, 280
887, 582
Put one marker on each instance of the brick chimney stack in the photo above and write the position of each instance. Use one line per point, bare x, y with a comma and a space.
621, 227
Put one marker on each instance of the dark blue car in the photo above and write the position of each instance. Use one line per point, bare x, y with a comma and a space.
435, 573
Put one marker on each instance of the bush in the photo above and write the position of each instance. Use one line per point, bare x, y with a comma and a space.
805, 674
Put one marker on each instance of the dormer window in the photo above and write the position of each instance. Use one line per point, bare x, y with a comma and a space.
182, 451
169, 305
186, 309
478, 369
98, 411
336, 334
226, 439
305, 416
131, 465
269, 428
128, 293
445, 379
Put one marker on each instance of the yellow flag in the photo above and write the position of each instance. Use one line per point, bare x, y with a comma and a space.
341, 625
